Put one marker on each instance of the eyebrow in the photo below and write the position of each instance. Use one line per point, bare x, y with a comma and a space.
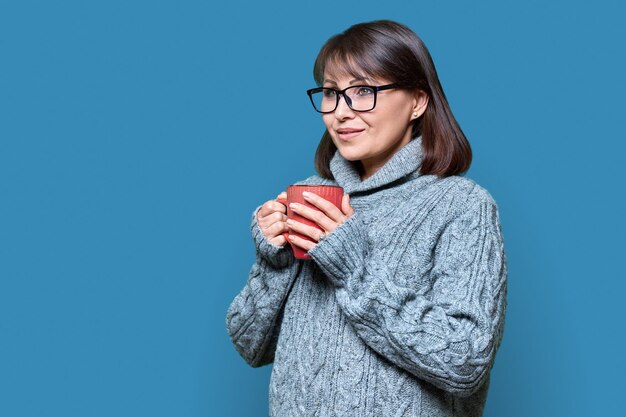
351, 82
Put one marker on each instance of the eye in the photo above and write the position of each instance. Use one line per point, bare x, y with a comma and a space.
329, 93
364, 91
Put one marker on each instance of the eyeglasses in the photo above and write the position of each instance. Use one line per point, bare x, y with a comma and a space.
358, 97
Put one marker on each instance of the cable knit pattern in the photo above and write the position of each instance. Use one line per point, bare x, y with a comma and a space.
400, 312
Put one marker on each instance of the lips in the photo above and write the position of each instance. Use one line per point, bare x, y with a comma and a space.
347, 133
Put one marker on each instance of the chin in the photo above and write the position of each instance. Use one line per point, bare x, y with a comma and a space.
349, 154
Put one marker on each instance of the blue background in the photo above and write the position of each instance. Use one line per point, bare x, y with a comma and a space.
136, 138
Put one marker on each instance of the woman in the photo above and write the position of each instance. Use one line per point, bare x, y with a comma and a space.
401, 309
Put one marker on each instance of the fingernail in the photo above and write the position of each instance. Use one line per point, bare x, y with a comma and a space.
306, 194
289, 222
293, 205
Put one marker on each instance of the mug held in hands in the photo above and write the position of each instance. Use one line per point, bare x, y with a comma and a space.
332, 193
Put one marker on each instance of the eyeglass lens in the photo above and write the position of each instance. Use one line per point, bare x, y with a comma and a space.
358, 98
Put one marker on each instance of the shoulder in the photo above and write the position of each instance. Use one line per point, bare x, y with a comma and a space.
472, 205
460, 192
453, 199
470, 193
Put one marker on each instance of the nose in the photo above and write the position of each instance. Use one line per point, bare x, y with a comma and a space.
343, 111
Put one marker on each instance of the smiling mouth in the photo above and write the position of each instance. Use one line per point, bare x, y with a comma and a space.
345, 134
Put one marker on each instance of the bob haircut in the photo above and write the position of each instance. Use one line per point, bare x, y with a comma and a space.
390, 50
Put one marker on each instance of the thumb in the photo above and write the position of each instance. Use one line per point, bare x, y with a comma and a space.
345, 205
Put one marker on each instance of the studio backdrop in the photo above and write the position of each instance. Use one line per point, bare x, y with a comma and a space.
137, 137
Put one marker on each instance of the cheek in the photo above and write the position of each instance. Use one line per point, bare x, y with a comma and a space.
393, 119
386, 127
328, 120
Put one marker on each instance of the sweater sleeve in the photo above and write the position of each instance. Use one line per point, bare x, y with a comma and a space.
447, 335
277, 256
254, 317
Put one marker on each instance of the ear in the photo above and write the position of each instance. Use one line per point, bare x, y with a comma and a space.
420, 102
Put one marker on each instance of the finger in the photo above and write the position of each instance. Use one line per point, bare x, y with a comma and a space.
303, 243
282, 195
315, 216
276, 229
265, 209
270, 207
276, 216
279, 240
326, 206
345, 205
272, 218
276, 206
304, 229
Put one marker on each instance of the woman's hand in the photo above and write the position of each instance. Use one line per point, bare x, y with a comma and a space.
271, 218
329, 218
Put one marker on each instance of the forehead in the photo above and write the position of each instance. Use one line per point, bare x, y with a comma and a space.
337, 69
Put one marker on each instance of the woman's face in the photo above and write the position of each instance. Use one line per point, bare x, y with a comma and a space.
372, 137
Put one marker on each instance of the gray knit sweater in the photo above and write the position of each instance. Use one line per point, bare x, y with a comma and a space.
399, 313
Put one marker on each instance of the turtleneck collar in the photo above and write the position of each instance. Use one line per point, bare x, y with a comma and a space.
404, 162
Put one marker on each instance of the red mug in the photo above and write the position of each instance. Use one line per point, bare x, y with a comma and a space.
332, 193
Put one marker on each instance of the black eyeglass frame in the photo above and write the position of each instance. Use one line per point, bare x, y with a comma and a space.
347, 99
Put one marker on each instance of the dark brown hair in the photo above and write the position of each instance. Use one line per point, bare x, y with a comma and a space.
390, 50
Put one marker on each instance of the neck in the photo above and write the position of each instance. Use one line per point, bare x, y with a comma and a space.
354, 176
368, 167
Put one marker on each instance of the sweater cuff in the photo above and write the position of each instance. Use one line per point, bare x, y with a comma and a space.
343, 252
277, 256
